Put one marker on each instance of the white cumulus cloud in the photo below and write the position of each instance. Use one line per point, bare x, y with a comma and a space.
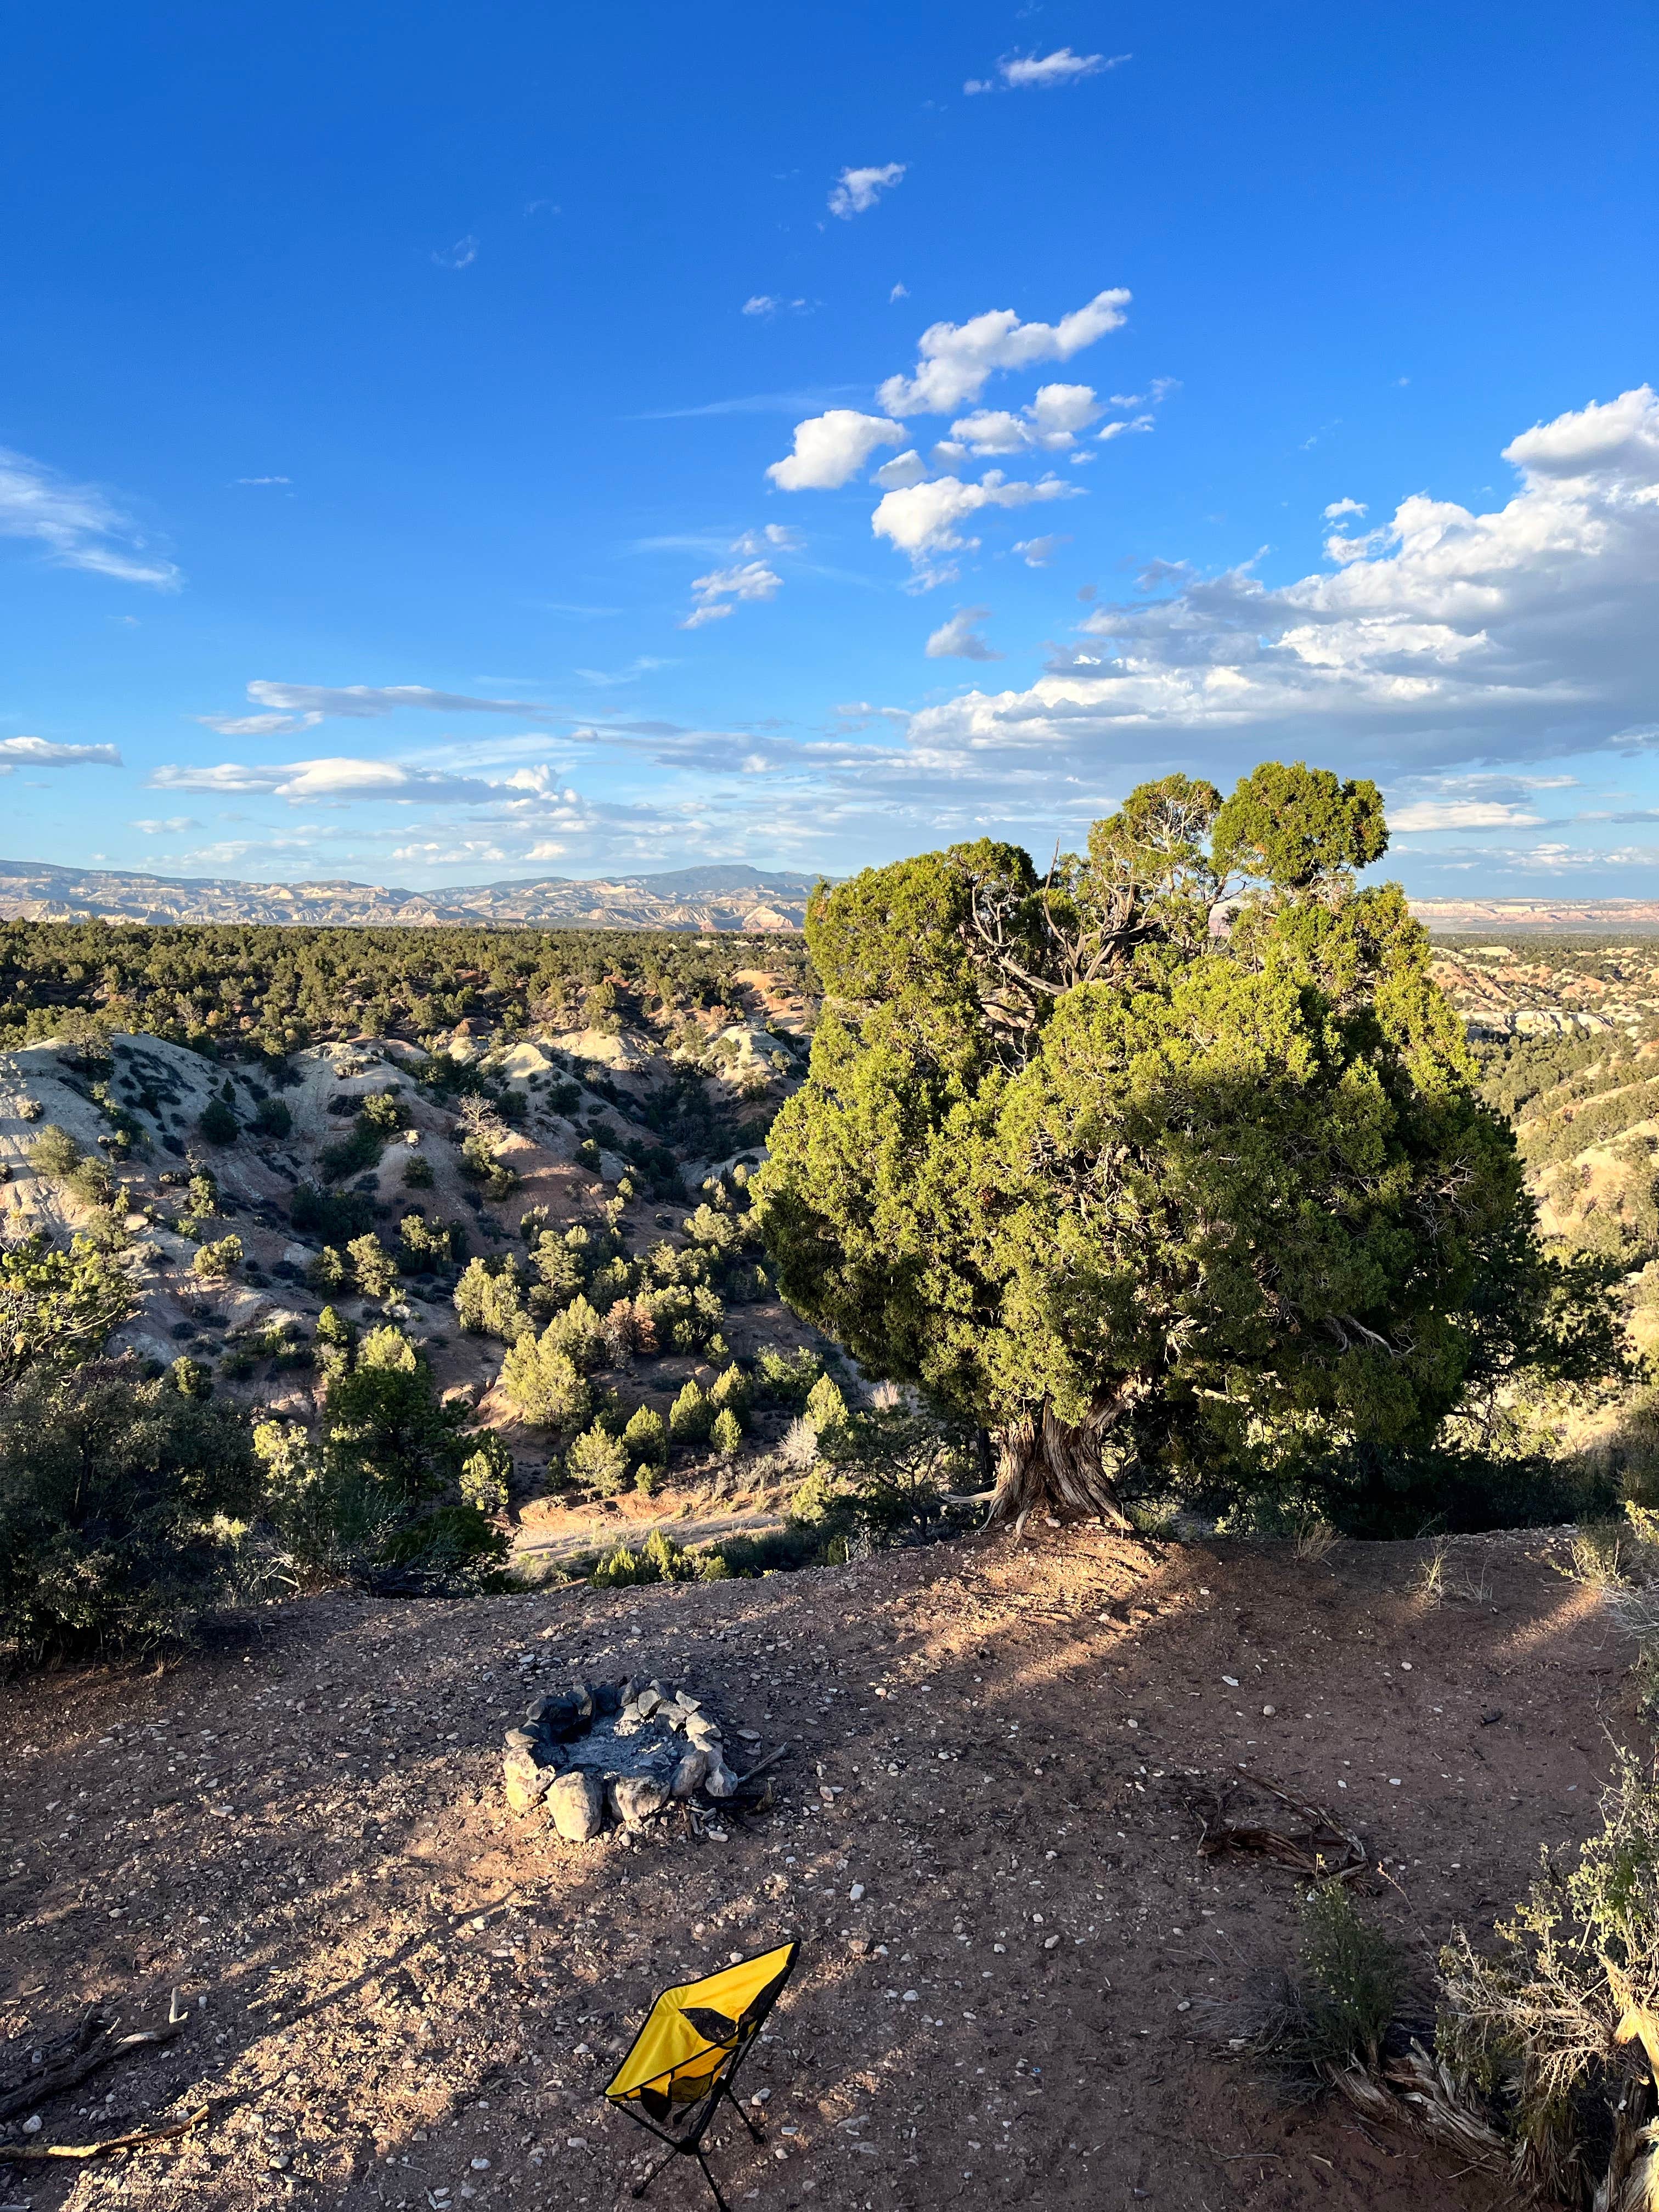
959, 638
1530, 625
43, 752
922, 519
1049, 424
957, 360
831, 448
856, 191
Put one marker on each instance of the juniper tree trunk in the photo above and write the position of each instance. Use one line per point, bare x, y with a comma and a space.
1051, 1465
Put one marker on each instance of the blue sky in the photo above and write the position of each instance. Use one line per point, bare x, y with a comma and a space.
442, 445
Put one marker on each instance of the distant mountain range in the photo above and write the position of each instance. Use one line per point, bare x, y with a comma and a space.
730, 897
1559, 917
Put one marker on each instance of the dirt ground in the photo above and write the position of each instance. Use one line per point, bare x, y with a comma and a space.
1019, 1978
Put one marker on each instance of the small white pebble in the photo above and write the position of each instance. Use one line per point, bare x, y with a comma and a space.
1393, 1782
1050, 1942
855, 1893
1405, 1666
1267, 1711
1231, 1680
481, 2166
32, 2124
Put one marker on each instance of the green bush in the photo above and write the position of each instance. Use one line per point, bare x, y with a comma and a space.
273, 1119
786, 1377
645, 1439
731, 1389
485, 1476
726, 1435
353, 1153
123, 1507
826, 1408
487, 1300
428, 1246
417, 1172
376, 1494
1337, 2009
219, 1124
597, 1461
327, 1272
373, 1266
218, 1262
544, 1384
579, 1332
54, 1152
333, 1217
691, 1416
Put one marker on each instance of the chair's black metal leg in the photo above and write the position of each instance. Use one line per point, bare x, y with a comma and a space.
710, 2179
640, 2187
732, 2099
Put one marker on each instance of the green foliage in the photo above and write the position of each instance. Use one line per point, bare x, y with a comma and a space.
826, 1408
328, 1271
54, 1152
544, 1385
889, 1483
598, 1461
727, 1433
218, 1262
731, 1387
489, 1302
417, 1172
1543, 2027
485, 1475
658, 1560
1338, 2009
426, 1247
645, 1438
332, 1217
579, 1333
56, 1308
786, 1379
691, 1416
272, 1118
123, 1505
373, 1268
335, 1330
1296, 826
377, 1493
293, 986
1066, 1158
219, 1124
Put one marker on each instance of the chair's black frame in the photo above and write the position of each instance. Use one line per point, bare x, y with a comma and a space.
701, 2114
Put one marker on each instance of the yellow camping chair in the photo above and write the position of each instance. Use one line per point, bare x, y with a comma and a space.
681, 2060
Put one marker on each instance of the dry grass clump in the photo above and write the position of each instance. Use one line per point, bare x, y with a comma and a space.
1559, 2031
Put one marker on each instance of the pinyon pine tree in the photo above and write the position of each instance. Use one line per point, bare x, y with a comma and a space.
1164, 1167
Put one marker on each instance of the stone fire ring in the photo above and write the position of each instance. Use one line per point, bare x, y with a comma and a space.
625, 1750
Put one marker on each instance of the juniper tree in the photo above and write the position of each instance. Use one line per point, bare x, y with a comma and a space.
1167, 1162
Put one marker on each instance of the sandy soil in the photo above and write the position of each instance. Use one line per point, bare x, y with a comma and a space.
405, 1997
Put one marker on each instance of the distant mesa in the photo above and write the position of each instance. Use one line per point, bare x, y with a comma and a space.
723, 898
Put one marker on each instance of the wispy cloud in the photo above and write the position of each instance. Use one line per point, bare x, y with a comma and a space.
461, 255
717, 592
261, 480
856, 192
753, 403
294, 707
1042, 73
78, 524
